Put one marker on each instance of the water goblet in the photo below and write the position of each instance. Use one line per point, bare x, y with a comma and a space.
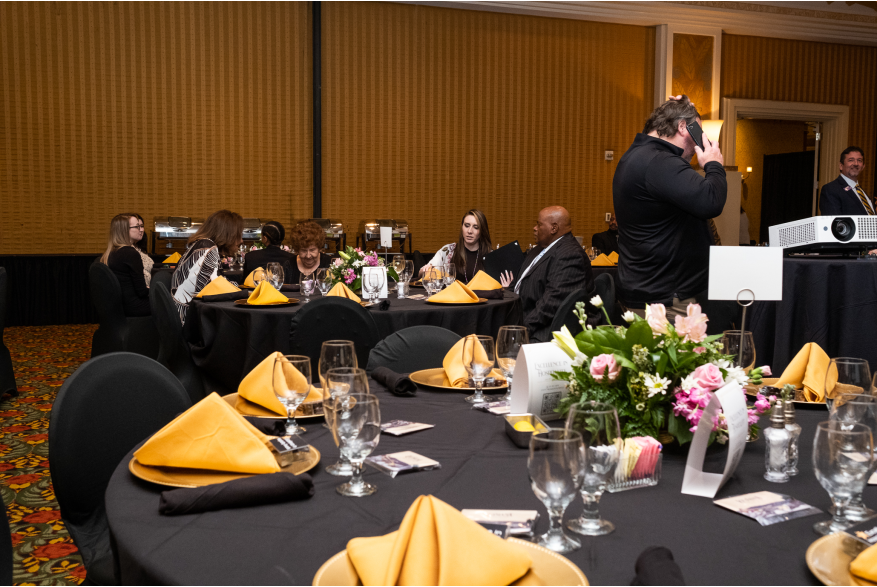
337, 382
404, 278
478, 357
306, 283
846, 375
597, 252
259, 275
372, 284
743, 357
356, 427
335, 354
601, 436
431, 279
324, 280
292, 383
450, 274
274, 272
842, 457
509, 341
399, 263
851, 409
555, 467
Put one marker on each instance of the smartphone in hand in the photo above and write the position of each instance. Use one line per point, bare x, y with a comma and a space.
696, 133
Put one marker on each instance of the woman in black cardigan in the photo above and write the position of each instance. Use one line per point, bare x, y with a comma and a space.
125, 262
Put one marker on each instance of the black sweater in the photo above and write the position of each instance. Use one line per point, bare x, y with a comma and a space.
126, 263
662, 206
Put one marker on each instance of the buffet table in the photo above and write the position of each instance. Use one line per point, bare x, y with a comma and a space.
287, 543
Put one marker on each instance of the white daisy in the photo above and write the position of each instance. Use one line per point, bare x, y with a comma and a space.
656, 384
688, 382
737, 374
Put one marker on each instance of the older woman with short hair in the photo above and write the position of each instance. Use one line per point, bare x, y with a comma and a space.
308, 240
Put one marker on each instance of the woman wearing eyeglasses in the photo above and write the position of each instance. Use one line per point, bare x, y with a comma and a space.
125, 261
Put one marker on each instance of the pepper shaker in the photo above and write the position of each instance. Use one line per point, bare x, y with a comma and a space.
794, 430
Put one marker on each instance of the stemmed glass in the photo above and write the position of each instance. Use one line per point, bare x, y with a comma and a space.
275, 274
601, 434
509, 341
404, 277
356, 427
846, 375
335, 354
731, 346
597, 252
450, 274
478, 357
371, 284
341, 381
842, 457
306, 283
432, 278
555, 467
851, 409
292, 383
259, 275
324, 281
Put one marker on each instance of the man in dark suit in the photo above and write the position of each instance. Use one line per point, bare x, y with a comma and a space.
552, 270
607, 241
844, 195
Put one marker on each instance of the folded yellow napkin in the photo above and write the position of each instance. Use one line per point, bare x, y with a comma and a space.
209, 435
455, 365
602, 261
483, 281
809, 369
173, 258
220, 285
456, 293
248, 282
613, 256
437, 545
342, 291
865, 565
258, 385
265, 294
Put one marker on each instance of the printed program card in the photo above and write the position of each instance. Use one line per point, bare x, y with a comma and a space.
864, 531
500, 408
517, 521
402, 462
767, 508
400, 427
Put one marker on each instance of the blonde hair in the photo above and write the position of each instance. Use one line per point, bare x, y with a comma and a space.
119, 236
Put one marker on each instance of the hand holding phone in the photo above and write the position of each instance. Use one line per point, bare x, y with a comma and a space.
709, 151
696, 134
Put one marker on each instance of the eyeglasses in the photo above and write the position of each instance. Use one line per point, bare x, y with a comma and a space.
138, 227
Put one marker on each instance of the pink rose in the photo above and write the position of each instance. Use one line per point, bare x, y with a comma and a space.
765, 371
656, 316
604, 364
708, 377
699, 349
338, 262
692, 326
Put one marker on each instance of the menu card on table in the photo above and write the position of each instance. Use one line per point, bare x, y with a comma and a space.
534, 390
402, 462
400, 427
767, 507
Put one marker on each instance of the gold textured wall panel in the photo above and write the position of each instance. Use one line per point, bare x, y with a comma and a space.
428, 112
158, 108
693, 68
759, 68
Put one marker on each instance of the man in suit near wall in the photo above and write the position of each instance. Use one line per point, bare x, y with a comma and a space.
553, 269
844, 195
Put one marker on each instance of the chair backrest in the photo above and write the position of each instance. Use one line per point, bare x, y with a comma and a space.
565, 314
419, 261
332, 318
605, 286
4, 284
173, 351
163, 276
102, 411
106, 294
412, 349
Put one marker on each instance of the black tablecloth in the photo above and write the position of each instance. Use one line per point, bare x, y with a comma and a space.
481, 468
228, 341
832, 302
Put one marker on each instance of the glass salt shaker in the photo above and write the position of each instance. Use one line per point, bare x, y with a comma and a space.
794, 430
776, 446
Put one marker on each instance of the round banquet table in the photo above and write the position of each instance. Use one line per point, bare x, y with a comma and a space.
480, 468
228, 341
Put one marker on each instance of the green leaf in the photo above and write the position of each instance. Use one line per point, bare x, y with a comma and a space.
640, 333
624, 361
678, 427
661, 364
356, 285
671, 352
392, 273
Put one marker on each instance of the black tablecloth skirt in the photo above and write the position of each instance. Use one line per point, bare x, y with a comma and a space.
832, 302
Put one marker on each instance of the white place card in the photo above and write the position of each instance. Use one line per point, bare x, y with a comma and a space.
400, 427
731, 400
534, 391
382, 293
387, 237
735, 269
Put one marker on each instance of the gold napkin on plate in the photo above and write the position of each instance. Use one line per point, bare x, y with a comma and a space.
342, 291
265, 294
209, 435
173, 258
613, 256
220, 285
809, 369
456, 293
483, 281
248, 282
258, 385
602, 261
437, 545
865, 565
455, 368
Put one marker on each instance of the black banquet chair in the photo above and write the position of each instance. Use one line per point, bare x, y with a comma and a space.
605, 286
413, 349
109, 405
116, 332
6, 551
173, 350
7, 375
565, 316
332, 318
164, 276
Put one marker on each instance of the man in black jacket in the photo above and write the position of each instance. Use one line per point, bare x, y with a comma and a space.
844, 195
663, 206
552, 270
607, 241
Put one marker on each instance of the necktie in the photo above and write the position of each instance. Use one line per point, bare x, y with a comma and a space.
865, 202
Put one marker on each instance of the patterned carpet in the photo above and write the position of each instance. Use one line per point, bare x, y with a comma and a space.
43, 356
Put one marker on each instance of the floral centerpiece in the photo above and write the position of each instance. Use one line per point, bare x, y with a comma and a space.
657, 375
347, 269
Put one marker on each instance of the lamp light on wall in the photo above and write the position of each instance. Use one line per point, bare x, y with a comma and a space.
748, 173
713, 129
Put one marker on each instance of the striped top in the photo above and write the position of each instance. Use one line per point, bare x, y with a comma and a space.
198, 267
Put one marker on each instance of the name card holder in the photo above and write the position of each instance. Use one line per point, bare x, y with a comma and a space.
534, 390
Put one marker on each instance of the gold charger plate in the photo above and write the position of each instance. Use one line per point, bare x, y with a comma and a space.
182, 477
291, 302
829, 559
309, 409
552, 568
799, 400
478, 303
437, 378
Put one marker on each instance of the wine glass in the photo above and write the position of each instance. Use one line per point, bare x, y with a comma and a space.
340, 381
555, 468
356, 427
333, 355
292, 383
274, 272
846, 375
478, 357
842, 457
404, 278
324, 280
431, 279
259, 275
450, 274
399, 263
597, 252
851, 409
731, 346
590, 253
509, 341
371, 284
306, 283
601, 438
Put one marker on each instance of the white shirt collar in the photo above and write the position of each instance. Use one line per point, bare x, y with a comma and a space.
852, 183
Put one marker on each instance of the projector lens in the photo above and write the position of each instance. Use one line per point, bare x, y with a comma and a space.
843, 229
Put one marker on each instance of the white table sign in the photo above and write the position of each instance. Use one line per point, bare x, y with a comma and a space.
382, 293
736, 269
534, 391
387, 237
731, 400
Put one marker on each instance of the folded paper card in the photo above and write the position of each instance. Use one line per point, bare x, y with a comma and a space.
484, 282
248, 282
209, 435
809, 369
342, 291
456, 293
613, 256
173, 258
454, 362
602, 261
259, 384
265, 294
218, 286
437, 545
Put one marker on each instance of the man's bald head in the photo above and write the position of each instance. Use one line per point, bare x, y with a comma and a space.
553, 223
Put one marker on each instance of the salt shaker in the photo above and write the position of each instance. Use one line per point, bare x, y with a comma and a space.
794, 430
776, 446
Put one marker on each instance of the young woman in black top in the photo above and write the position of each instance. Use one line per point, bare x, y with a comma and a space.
273, 234
125, 262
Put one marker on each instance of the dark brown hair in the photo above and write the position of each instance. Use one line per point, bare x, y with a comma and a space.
307, 233
274, 232
459, 258
665, 118
224, 228
851, 149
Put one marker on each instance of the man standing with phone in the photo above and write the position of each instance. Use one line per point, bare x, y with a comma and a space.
663, 206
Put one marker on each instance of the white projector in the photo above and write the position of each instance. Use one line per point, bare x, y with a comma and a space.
826, 233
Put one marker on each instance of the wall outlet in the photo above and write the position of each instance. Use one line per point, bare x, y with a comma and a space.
608, 216
610, 155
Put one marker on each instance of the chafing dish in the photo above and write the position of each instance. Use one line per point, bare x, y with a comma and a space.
171, 233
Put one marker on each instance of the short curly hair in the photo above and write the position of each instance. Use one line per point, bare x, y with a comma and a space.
665, 118
307, 234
